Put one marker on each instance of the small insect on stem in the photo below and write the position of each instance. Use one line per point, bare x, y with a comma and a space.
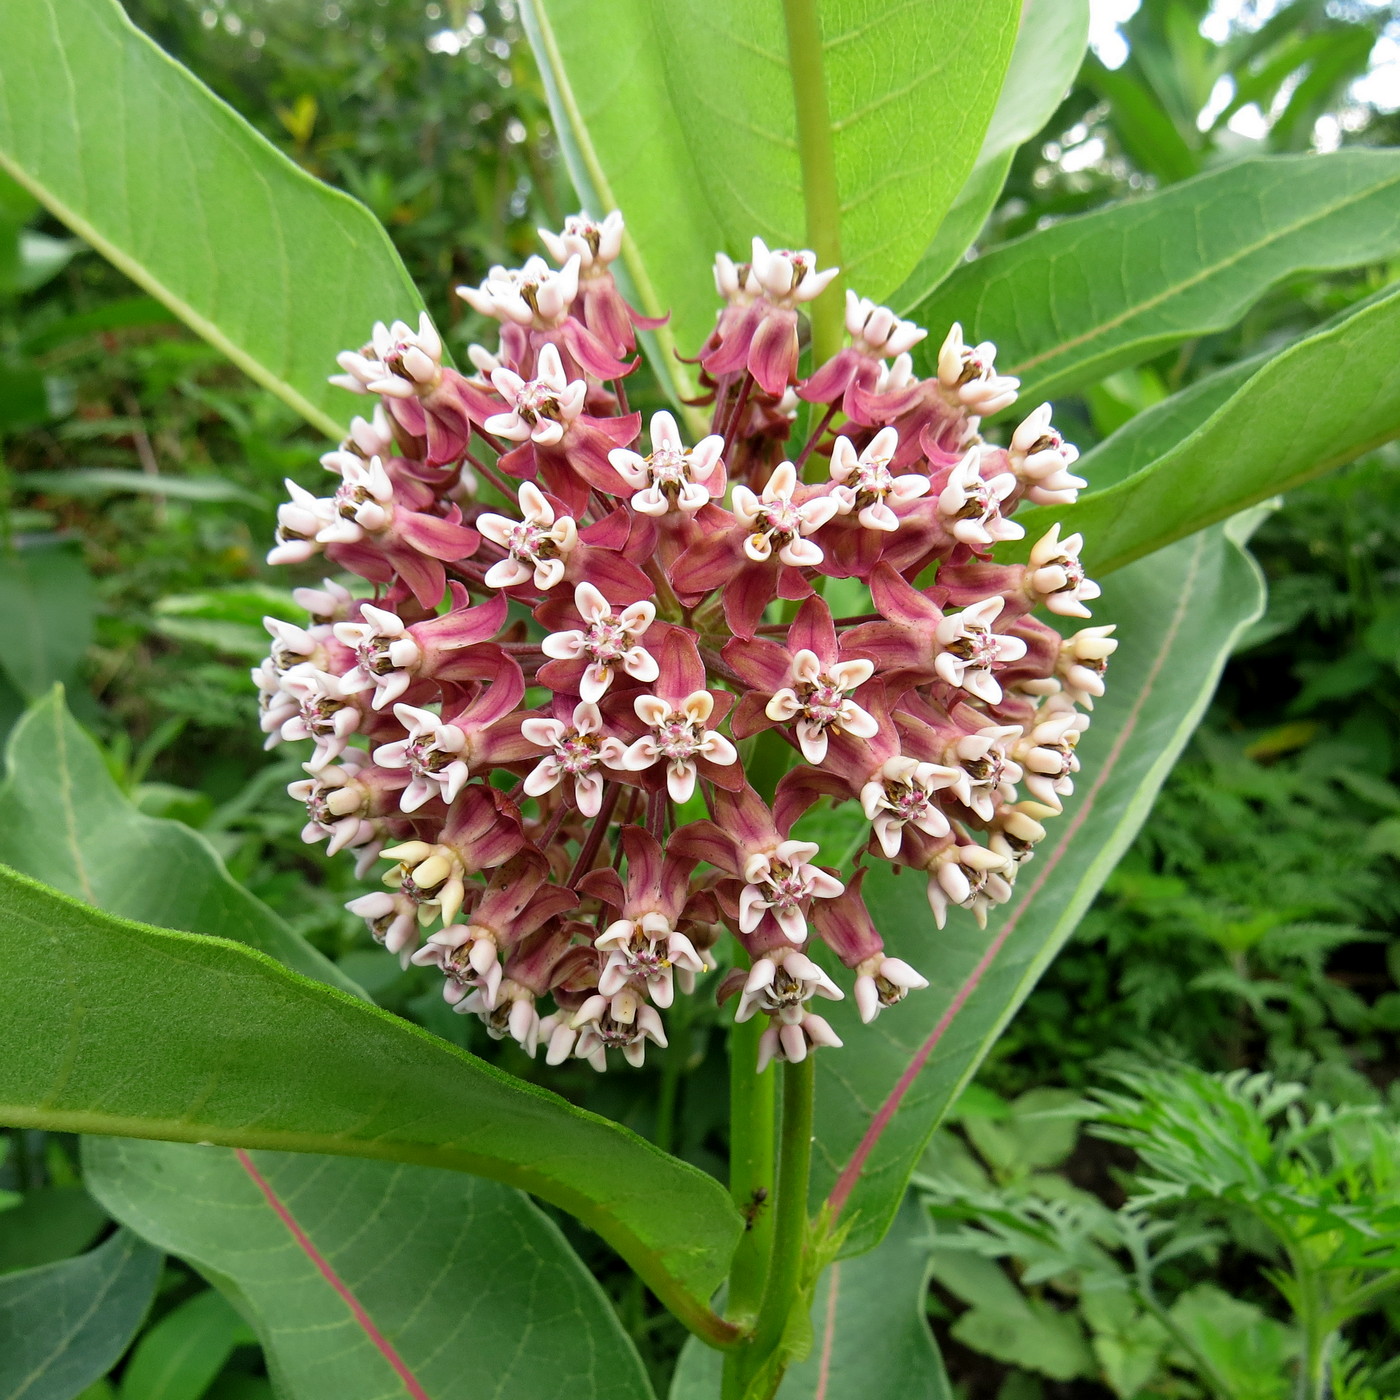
756, 1203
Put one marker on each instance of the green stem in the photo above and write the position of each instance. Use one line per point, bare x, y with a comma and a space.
790, 1210
817, 153
752, 1110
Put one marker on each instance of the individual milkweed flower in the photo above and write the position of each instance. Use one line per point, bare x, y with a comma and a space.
330, 603
987, 775
875, 333
776, 522
674, 479
342, 799
1055, 575
905, 791
865, 484
809, 683
442, 752
846, 927
762, 338
537, 546
971, 504
398, 362
960, 648
1040, 459
962, 873
513, 906
645, 946
391, 654
535, 295
607, 641
1082, 662
1046, 753
595, 243
299, 524
392, 918
541, 409
326, 711
1015, 833
968, 373
781, 982
679, 719
575, 750
622, 1021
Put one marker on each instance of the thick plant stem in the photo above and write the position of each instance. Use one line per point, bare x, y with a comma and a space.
817, 153
752, 1113
790, 1227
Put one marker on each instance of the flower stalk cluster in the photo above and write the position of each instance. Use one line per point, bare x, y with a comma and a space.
544, 714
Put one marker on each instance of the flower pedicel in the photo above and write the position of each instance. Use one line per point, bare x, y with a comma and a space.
581, 856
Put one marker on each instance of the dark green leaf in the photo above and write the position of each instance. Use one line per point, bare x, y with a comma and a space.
1315, 406
69, 825
139, 158
114, 1027
1069, 303
50, 1223
65, 1325
1177, 615
370, 1279
47, 602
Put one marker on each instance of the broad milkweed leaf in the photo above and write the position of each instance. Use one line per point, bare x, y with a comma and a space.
118, 1028
63, 1326
881, 1295
1068, 304
683, 115
1271, 426
369, 1279
49, 1223
1178, 614
139, 158
1049, 48
70, 825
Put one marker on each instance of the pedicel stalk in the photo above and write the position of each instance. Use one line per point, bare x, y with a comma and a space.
547, 715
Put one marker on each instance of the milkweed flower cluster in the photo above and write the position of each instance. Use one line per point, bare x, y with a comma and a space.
544, 716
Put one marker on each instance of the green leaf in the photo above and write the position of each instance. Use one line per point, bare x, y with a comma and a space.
1049, 48
117, 1028
683, 115
1315, 406
1177, 615
1068, 304
69, 825
50, 1223
48, 602
369, 1279
179, 1357
63, 1326
101, 481
871, 1338
139, 158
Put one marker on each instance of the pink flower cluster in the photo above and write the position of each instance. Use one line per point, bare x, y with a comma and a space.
545, 714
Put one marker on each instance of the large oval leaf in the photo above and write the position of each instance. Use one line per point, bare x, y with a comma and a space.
1271, 426
1178, 615
683, 115
370, 1279
137, 156
117, 1028
68, 824
1069, 303
63, 1326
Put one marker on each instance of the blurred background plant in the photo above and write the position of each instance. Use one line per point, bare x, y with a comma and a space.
1255, 925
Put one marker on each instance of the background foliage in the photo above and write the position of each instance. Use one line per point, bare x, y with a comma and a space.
1253, 925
